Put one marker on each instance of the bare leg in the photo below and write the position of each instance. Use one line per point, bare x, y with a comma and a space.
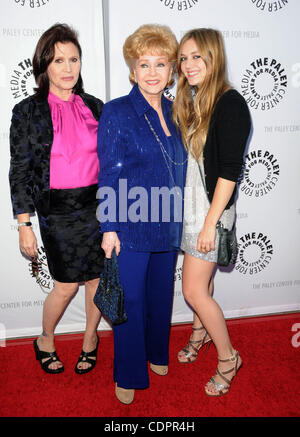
197, 275
93, 317
197, 335
54, 306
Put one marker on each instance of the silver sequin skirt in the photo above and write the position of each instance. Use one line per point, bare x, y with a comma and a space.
196, 206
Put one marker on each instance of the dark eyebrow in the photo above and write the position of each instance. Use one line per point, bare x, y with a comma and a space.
195, 51
63, 56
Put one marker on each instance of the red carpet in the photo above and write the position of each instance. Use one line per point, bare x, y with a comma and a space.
267, 385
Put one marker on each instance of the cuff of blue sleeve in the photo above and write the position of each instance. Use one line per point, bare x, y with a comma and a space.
109, 227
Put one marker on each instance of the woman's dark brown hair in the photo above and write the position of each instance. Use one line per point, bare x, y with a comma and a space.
44, 55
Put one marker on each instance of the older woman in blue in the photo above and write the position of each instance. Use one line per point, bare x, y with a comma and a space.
141, 153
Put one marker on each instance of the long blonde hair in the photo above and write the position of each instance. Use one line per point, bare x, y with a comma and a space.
192, 112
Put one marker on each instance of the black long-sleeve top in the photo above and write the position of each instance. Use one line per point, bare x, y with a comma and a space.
226, 141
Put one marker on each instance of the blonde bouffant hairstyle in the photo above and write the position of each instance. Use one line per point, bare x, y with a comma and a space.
194, 106
154, 39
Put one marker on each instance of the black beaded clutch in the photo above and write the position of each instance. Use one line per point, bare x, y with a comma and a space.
109, 297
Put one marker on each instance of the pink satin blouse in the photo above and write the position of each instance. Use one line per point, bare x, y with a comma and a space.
73, 162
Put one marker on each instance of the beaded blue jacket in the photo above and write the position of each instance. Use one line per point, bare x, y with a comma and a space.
134, 169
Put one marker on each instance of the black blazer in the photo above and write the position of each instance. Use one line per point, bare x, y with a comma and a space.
31, 138
226, 141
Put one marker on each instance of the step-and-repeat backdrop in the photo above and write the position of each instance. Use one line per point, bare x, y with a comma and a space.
261, 39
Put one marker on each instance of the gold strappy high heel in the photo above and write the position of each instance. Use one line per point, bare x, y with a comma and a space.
223, 389
195, 345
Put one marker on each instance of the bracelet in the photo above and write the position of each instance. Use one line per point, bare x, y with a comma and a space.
24, 224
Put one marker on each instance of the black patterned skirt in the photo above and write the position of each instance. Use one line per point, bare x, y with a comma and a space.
71, 235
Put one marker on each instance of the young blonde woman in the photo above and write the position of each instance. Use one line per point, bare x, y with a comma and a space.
215, 124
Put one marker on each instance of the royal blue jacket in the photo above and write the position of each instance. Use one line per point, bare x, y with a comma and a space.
133, 167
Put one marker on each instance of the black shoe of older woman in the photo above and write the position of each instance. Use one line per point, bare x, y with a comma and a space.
52, 357
87, 357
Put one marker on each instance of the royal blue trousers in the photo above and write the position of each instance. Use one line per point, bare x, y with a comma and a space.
148, 282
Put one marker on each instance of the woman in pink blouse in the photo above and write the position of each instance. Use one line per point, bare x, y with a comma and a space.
54, 172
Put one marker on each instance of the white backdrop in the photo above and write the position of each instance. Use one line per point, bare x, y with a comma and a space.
261, 39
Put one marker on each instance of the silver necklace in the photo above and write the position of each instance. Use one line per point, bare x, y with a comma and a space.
165, 155
163, 150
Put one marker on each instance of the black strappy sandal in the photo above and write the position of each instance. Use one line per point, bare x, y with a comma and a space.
87, 357
52, 358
